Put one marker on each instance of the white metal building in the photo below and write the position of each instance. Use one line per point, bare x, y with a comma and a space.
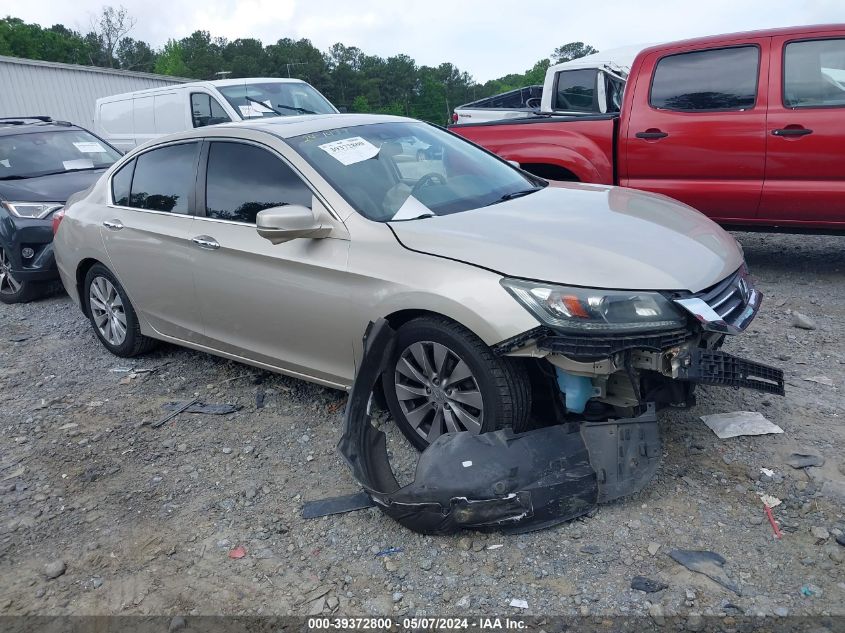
66, 92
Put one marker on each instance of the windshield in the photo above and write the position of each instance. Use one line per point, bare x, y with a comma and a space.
275, 98
32, 154
410, 170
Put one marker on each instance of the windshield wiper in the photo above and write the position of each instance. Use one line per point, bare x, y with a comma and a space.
261, 103
295, 109
514, 194
421, 216
50, 173
15, 177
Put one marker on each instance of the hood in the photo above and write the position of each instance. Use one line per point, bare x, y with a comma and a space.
52, 188
584, 235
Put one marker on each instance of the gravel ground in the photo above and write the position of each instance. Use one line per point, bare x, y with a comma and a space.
102, 514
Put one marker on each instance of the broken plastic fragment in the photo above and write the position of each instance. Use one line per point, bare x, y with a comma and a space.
770, 501
727, 425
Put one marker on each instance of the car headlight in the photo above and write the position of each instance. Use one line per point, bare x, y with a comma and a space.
587, 310
33, 210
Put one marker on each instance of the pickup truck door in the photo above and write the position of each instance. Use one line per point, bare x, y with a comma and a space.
805, 158
696, 127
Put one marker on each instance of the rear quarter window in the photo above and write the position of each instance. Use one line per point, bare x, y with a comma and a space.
716, 79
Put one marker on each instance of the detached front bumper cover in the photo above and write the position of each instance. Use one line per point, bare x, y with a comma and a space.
516, 482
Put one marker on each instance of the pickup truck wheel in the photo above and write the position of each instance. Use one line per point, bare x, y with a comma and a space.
444, 379
112, 315
12, 290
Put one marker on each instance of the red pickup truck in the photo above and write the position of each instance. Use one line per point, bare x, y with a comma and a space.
748, 128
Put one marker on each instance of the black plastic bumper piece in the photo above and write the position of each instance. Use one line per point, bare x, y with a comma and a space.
718, 368
514, 482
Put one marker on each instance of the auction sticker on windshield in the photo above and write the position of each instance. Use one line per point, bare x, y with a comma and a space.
89, 147
350, 150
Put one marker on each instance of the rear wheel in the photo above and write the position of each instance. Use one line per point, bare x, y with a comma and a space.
112, 315
11, 289
444, 379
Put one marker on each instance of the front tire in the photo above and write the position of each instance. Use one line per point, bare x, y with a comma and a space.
112, 316
444, 379
14, 291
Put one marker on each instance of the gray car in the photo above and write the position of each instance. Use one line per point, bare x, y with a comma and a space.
277, 242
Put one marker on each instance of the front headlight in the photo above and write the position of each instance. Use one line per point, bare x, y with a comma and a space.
586, 310
34, 210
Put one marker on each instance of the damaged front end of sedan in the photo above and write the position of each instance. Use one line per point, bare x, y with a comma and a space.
597, 440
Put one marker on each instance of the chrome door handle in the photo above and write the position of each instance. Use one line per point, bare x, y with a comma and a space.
206, 242
114, 225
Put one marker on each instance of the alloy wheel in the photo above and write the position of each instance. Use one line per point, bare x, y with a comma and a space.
8, 284
107, 310
437, 391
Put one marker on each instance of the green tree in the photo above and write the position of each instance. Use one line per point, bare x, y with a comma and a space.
171, 60
572, 50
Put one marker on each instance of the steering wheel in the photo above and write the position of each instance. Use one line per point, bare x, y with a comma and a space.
428, 180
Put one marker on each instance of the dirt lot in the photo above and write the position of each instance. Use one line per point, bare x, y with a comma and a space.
143, 519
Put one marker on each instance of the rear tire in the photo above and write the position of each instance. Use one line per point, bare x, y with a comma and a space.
442, 378
112, 315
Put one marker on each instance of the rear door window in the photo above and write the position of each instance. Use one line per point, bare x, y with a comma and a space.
164, 178
244, 179
717, 79
814, 74
576, 90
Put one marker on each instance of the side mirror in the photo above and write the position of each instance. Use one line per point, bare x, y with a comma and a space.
292, 221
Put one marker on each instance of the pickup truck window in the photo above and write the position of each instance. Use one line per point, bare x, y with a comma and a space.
814, 74
576, 90
716, 79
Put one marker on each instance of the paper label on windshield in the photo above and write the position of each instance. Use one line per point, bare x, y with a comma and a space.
79, 163
254, 109
89, 147
5, 162
350, 150
410, 209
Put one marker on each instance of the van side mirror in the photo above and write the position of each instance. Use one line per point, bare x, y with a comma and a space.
289, 222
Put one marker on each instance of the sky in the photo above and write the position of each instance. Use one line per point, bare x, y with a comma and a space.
487, 39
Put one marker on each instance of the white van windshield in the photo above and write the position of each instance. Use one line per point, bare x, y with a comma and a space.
275, 98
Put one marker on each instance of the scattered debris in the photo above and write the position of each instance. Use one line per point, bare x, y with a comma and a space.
18, 339
173, 414
822, 380
519, 603
496, 546
727, 425
390, 551
647, 585
237, 552
840, 538
199, 407
55, 569
767, 471
804, 460
770, 501
653, 548
810, 591
768, 510
708, 563
802, 321
259, 398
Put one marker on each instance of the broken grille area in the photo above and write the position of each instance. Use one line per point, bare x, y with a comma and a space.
729, 297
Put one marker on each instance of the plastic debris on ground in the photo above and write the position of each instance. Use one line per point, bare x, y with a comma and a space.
707, 563
200, 407
804, 460
822, 380
737, 423
237, 552
390, 551
770, 501
519, 604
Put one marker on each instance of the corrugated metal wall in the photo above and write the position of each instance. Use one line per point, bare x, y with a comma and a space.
64, 91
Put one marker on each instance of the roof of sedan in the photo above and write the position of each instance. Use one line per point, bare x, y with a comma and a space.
289, 126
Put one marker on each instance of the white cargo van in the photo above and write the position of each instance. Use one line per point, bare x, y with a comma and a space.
133, 118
